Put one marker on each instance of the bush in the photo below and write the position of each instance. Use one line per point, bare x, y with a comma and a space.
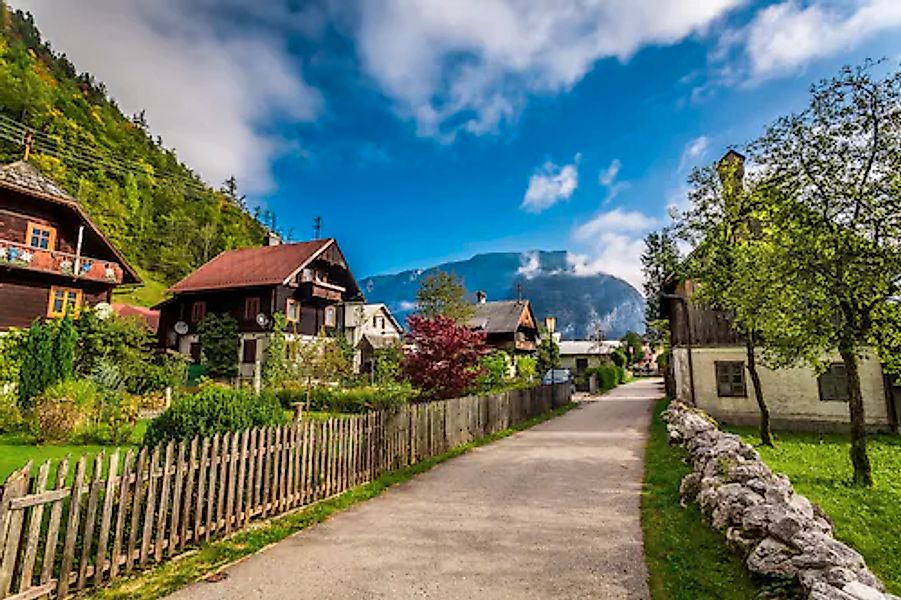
10, 416
351, 400
619, 358
214, 409
494, 370
609, 376
64, 410
526, 368
117, 419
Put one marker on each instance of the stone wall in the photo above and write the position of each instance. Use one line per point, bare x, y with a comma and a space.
780, 533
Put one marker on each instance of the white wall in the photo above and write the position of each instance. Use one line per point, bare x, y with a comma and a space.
792, 395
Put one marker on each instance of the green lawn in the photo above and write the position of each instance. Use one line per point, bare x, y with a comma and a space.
869, 520
16, 449
686, 559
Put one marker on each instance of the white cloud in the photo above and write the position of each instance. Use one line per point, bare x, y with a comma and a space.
550, 184
614, 241
470, 65
208, 91
608, 175
783, 37
529, 264
614, 221
694, 150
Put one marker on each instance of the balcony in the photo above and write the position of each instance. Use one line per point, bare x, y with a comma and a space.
21, 256
322, 290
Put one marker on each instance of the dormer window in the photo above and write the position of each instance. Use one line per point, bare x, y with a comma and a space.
40, 236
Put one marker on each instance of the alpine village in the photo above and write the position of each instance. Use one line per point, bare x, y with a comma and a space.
196, 402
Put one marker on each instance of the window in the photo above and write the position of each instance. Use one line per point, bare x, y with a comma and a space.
375, 322
62, 301
292, 310
833, 384
251, 308
198, 311
249, 353
730, 378
40, 236
581, 364
330, 316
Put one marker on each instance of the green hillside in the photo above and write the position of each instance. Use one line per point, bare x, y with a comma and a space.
155, 209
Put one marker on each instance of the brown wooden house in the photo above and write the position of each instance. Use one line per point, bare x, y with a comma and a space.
308, 282
509, 325
53, 258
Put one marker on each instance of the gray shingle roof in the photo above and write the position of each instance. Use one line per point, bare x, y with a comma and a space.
24, 177
501, 316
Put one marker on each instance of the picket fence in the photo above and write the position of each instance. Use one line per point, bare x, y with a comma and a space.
140, 508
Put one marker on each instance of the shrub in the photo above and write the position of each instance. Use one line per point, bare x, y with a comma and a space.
219, 342
10, 416
115, 349
494, 370
214, 409
118, 417
64, 410
526, 368
444, 356
608, 376
352, 400
618, 356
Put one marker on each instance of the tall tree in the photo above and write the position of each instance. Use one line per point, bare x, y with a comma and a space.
443, 294
833, 172
726, 226
659, 261
548, 353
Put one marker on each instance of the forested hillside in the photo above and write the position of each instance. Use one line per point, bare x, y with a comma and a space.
155, 209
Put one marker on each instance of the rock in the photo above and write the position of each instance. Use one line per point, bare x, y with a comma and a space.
859, 591
823, 591
816, 550
772, 558
688, 489
740, 541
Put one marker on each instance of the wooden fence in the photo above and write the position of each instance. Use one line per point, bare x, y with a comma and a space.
62, 535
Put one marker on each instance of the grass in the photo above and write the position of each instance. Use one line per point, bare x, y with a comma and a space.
869, 520
172, 575
149, 293
16, 449
687, 560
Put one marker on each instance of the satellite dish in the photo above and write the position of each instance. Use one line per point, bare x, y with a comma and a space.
262, 319
181, 328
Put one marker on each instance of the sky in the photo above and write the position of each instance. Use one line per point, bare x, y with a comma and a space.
423, 131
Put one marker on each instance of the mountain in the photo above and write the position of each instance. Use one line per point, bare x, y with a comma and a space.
581, 303
157, 211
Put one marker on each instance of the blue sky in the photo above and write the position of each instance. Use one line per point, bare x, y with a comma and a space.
422, 131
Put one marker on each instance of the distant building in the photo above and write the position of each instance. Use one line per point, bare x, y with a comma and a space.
148, 316
370, 327
53, 258
308, 282
580, 355
509, 325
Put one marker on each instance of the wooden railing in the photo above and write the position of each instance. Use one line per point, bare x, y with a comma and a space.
23, 256
145, 506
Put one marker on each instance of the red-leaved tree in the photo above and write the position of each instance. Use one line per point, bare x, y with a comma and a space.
443, 357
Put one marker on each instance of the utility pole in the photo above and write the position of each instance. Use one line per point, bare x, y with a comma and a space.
317, 227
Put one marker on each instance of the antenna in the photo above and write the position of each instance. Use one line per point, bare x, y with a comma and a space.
519, 291
317, 227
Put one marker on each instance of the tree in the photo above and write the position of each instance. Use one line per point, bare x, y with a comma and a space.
219, 343
727, 225
633, 346
443, 294
659, 261
443, 357
547, 354
274, 369
832, 173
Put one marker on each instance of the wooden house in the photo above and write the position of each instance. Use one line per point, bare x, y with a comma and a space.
308, 282
368, 328
509, 325
53, 258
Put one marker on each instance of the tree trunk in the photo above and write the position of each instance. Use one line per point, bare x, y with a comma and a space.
859, 458
766, 436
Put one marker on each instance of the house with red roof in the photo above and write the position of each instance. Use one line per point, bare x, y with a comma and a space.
308, 282
53, 259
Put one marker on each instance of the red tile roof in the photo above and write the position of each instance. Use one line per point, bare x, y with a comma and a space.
150, 316
269, 265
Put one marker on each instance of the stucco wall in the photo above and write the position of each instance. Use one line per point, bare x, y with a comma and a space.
791, 394
569, 361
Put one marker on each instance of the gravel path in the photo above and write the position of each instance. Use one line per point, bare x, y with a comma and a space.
551, 512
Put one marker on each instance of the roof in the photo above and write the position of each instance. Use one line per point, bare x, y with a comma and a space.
369, 310
380, 341
501, 316
248, 267
149, 316
24, 178
589, 347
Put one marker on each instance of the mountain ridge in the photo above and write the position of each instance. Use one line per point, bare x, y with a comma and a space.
582, 303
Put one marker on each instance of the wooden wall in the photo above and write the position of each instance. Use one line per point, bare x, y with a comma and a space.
24, 296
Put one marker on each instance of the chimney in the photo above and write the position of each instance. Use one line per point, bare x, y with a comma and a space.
273, 239
731, 169
550, 323
481, 297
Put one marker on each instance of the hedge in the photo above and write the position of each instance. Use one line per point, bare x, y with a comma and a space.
346, 400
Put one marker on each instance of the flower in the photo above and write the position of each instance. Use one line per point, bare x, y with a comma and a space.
26, 257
